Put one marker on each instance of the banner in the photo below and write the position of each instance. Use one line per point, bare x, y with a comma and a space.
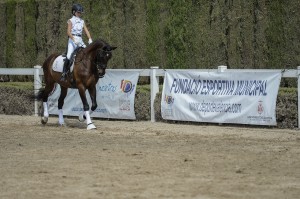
115, 97
221, 97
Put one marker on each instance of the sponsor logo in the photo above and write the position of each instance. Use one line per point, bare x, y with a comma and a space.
124, 105
109, 88
169, 99
127, 86
260, 108
168, 111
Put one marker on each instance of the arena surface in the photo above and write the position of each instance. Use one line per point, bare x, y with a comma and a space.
124, 159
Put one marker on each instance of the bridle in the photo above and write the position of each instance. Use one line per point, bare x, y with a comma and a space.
99, 56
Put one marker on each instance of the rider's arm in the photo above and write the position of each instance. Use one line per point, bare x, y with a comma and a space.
87, 31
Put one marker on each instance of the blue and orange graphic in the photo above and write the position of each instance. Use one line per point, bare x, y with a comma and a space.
127, 86
169, 99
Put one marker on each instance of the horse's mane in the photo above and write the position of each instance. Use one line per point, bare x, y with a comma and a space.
95, 45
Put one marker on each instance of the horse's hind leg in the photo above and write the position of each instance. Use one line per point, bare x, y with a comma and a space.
61, 99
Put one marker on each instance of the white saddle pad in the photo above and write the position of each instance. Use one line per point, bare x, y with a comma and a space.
58, 64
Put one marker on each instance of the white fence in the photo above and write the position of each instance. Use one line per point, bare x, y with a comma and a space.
154, 73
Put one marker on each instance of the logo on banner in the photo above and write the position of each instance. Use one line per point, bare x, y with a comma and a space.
109, 88
169, 99
260, 108
127, 86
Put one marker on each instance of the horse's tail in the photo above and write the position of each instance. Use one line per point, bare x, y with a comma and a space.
40, 94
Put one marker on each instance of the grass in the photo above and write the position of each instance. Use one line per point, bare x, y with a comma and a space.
18, 85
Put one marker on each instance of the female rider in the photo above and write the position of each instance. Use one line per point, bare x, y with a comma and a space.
75, 26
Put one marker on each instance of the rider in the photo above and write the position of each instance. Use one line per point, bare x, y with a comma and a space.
74, 32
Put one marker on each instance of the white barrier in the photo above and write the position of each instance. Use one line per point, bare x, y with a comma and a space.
154, 72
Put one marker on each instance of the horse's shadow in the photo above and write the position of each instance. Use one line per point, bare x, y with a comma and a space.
69, 123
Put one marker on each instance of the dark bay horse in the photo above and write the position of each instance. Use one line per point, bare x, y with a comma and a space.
89, 65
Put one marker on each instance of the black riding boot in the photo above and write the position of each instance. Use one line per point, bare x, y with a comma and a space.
66, 69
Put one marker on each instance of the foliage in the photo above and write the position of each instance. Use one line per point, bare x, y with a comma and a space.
168, 34
176, 33
275, 34
152, 31
10, 32
287, 108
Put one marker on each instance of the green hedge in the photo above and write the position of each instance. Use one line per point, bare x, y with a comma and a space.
170, 34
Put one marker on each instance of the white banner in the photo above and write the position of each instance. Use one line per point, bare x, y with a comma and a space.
115, 97
225, 97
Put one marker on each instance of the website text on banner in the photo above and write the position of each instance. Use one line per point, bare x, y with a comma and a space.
227, 97
115, 97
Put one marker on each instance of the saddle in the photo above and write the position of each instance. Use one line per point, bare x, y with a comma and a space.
67, 67
73, 55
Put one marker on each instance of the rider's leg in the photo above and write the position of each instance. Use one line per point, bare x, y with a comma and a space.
66, 68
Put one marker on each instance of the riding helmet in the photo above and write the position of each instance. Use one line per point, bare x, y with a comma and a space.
77, 8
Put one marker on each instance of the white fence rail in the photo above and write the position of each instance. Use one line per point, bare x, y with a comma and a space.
154, 72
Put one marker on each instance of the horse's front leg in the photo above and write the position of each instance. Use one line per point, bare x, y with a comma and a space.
44, 96
92, 92
86, 107
61, 100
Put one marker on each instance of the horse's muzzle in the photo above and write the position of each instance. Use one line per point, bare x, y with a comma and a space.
101, 72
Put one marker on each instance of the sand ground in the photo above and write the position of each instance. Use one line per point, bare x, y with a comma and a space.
130, 159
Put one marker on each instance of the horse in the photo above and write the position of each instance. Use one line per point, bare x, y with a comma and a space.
90, 64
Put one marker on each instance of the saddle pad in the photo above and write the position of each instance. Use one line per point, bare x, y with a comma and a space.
58, 64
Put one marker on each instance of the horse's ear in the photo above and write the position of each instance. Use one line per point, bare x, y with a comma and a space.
113, 47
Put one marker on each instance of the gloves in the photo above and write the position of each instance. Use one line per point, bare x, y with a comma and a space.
90, 41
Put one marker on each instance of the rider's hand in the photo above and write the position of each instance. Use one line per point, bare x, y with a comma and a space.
90, 41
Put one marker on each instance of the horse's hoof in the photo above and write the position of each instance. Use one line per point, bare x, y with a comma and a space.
91, 126
81, 117
44, 120
61, 124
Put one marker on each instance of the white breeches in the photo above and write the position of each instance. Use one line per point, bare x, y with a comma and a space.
72, 46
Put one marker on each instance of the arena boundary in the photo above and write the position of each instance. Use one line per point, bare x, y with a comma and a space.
154, 73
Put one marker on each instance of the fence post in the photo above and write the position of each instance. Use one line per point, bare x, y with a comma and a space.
37, 85
154, 89
222, 68
298, 90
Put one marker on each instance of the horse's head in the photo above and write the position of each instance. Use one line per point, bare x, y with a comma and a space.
102, 57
